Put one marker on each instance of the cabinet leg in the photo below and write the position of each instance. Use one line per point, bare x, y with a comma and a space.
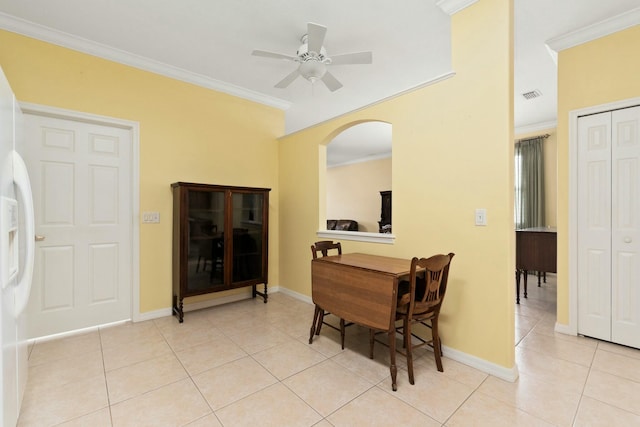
178, 309
262, 294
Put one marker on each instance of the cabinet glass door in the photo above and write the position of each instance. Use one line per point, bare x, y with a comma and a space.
247, 236
206, 244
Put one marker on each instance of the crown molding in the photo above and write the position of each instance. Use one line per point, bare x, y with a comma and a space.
535, 127
595, 31
454, 6
49, 35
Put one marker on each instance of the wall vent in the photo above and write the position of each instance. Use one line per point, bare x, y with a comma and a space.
532, 94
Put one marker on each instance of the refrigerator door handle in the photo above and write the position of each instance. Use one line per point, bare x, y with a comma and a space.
23, 187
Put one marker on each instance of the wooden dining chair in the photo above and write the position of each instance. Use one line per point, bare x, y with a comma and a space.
421, 304
325, 248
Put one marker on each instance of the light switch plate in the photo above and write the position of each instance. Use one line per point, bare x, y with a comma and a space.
481, 216
150, 217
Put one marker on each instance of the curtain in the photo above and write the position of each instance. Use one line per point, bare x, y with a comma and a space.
529, 183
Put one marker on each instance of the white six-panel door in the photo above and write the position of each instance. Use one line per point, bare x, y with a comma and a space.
608, 226
625, 227
81, 176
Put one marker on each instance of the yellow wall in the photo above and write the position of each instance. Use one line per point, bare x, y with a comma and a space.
599, 72
550, 154
187, 133
353, 192
452, 153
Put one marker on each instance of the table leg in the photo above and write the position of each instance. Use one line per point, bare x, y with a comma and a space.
393, 367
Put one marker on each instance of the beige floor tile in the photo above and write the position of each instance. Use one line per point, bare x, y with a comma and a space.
210, 355
233, 381
50, 406
433, 393
543, 400
358, 361
327, 386
207, 421
175, 404
614, 390
619, 349
101, 418
455, 370
377, 408
571, 376
289, 358
327, 343
59, 372
617, 364
46, 351
593, 413
481, 410
561, 349
191, 334
274, 406
261, 338
135, 352
125, 334
526, 322
133, 380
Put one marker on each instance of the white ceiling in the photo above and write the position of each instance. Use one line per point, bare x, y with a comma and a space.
209, 42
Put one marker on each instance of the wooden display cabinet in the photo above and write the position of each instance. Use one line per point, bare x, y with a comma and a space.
220, 240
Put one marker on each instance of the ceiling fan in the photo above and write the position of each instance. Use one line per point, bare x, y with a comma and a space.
313, 60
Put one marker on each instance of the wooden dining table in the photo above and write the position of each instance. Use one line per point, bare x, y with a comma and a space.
362, 289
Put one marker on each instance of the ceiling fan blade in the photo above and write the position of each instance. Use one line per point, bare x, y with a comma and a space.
266, 54
288, 80
315, 36
332, 83
352, 58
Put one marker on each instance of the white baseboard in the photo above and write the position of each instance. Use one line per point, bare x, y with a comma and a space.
565, 329
296, 295
507, 374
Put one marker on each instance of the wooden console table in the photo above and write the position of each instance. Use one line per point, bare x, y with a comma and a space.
536, 250
362, 289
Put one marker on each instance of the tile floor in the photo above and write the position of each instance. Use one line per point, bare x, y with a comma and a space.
250, 364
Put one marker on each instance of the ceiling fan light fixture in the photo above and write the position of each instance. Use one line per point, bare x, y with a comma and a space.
312, 70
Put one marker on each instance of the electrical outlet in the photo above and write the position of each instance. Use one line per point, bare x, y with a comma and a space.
481, 216
150, 217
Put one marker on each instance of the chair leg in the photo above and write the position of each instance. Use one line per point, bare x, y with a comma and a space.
409, 348
342, 332
437, 350
316, 316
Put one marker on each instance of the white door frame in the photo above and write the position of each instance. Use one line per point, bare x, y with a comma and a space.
574, 115
134, 129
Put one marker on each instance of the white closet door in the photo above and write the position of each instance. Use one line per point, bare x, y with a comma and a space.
625, 224
594, 226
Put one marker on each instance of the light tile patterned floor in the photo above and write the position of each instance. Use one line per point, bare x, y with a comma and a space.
250, 364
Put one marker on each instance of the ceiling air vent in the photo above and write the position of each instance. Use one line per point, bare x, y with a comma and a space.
532, 94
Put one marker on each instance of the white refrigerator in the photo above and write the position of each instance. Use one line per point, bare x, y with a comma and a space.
16, 256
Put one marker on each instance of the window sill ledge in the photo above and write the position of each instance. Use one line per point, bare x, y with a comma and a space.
358, 236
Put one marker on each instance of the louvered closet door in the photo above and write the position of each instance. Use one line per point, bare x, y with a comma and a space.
609, 226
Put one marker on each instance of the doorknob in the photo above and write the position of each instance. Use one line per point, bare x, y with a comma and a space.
627, 239
39, 238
